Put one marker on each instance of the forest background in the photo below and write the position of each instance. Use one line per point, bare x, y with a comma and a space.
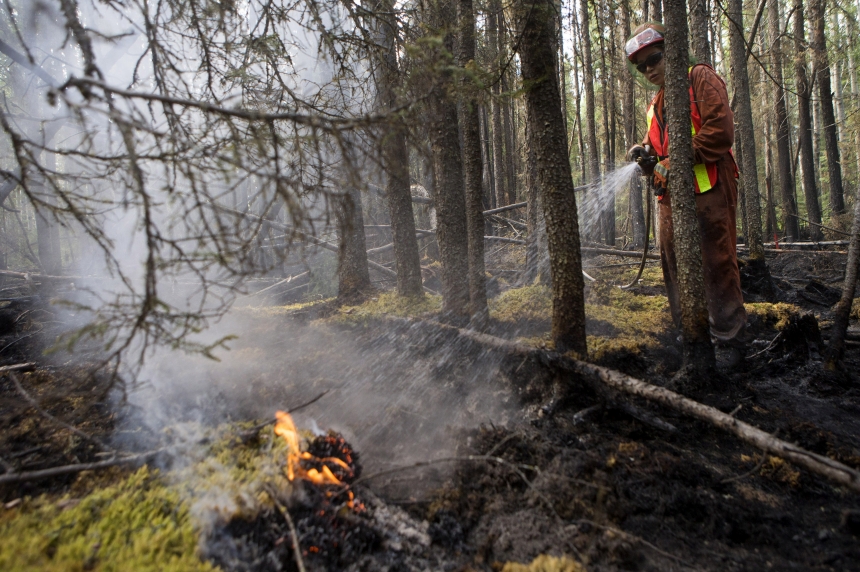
166, 155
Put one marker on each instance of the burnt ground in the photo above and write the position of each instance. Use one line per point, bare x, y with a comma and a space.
601, 487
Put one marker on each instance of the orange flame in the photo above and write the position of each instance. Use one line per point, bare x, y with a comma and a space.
287, 430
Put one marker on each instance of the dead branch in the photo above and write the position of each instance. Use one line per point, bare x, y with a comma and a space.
35, 276
29, 366
602, 379
78, 468
253, 431
279, 283
297, 549
305, 236
35, 404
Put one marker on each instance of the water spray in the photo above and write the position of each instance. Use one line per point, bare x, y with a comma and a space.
644, 163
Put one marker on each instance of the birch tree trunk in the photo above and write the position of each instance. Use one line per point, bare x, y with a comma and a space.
549, 142
698, 350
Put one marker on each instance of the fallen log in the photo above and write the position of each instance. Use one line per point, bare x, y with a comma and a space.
614, 252
602, 379
279, 283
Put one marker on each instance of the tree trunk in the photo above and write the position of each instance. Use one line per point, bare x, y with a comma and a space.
395, 159
656, 10
855, 97
783, 151
486, 153
699, 32
593, 151
501, 186
353, 276
449, 197
836, 346
836, 76
607, 204
698, 350
47, 231
507, 121
549, 142
804, 126
628, 105
821, 64
537, 263
470, 121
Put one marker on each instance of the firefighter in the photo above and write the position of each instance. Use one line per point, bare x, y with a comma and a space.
715, 175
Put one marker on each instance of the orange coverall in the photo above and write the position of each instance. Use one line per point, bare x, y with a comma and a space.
716, 210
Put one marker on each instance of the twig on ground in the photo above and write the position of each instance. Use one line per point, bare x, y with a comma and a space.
748, 473
252, 432
630, 536
297, 549
7, 466
29, 366
35, 404
78, 468
584, 414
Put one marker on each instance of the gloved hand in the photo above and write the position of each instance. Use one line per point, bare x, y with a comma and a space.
643, 157
637, 153
661, 175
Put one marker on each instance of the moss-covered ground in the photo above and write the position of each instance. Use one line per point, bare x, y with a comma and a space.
145, 519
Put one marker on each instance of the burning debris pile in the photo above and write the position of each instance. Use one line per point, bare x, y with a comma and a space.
318, 523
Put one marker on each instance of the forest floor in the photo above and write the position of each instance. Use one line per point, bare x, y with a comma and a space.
459, 467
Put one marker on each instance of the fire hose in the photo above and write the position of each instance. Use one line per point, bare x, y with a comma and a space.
644, 162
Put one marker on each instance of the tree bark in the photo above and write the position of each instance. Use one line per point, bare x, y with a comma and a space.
451, 233
842, 312
549, 142
472, 167
628, 105
352, 273
699, 32
593, 151
698, 350
783, 151
395, 159
821, 64
804, 126
507, 120
607, 214
497, 128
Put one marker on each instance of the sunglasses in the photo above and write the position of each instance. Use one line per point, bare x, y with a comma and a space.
650, 62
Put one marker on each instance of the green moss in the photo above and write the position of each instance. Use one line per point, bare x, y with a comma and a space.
270, 311
389, 303
139, 524
777, 316
531, 303
634, 320
147, 520
546, 563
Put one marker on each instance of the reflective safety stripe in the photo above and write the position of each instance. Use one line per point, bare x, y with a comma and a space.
703, 178
705, 174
